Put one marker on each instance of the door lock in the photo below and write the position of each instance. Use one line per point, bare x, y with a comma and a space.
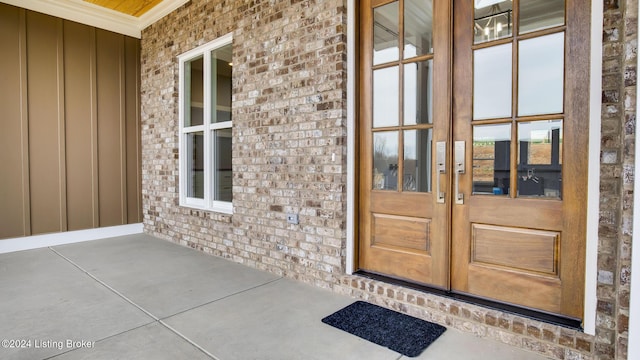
441, 168
460, 164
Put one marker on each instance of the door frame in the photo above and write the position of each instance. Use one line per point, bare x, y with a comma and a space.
593, 193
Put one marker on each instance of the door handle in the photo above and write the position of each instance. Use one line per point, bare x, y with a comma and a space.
459, 157
441, 163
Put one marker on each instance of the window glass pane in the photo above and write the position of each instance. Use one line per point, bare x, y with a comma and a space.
540, 14
418, 21
418, 95
385, 34
386, 97
222, 156
540, 158
492, 82
195, 163
417, 160
491, 159
194, 90
221, 64
385, 160
541, 75
493, 20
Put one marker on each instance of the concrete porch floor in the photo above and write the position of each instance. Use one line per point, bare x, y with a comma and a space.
138, 297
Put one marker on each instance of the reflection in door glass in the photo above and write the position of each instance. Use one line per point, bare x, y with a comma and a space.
385, 160
492, 20
540, 159
417, 160
491, 159
385, 33
541, 75
492, 82
385, 97
540, 14
418, 21
418, 95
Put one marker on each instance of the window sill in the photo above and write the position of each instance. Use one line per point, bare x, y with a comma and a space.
218, 207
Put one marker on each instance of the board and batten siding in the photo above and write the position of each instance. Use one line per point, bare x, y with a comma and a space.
69, 126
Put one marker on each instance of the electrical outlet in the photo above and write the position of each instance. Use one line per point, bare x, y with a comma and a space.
293, 219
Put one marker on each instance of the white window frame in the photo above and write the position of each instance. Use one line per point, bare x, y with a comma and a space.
207, 128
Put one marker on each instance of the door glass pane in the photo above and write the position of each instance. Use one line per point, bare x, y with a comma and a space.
386, 97
491, 159
492, 20
540, 14
540, 159
418, 94
492, 82
385, 34
417, 160
541, 75
221, 84
195, 162
194, 90
222, 156
385, 160
418, 21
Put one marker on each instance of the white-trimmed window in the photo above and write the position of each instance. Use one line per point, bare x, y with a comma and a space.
205, 126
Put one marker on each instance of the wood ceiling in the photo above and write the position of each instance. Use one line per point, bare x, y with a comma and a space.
130, 7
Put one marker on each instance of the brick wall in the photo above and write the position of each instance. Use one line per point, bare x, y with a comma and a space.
620, 47
289, 150
288, 128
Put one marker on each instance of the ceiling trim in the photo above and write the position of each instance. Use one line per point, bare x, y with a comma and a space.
100, 17
159, 11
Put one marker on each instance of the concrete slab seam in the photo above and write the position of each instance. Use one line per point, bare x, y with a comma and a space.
220, 299
101, 340
155, 318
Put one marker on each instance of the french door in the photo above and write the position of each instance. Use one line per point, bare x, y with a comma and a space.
473, 147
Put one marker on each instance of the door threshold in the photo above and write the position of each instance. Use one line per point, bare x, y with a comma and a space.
566, 322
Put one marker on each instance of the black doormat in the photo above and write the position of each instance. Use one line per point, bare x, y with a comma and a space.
399, 332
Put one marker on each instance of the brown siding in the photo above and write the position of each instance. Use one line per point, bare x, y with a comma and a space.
45, 123
132, 83
69, 138
79, 103
13, 175
110, 117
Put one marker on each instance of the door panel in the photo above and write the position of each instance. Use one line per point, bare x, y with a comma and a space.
519, 239
401, 232
535, 251
404, 112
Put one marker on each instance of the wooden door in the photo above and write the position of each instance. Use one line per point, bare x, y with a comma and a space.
520, 111
404, 113
473, 147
